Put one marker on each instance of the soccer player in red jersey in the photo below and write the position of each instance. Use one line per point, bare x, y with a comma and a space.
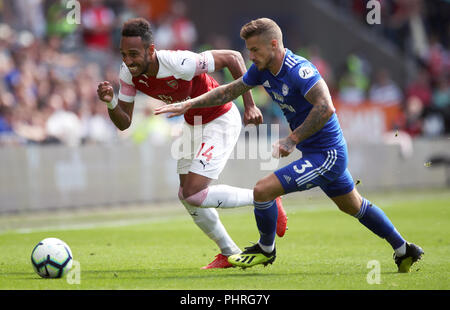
174, 76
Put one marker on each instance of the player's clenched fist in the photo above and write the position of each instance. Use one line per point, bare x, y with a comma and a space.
105, 93
283, 147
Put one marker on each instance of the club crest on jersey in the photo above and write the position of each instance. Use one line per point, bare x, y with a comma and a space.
285, 89
173, 84
306, 71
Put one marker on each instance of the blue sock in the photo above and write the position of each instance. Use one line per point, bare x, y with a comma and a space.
266, 215
374, 219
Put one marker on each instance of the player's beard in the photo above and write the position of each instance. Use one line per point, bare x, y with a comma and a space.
144, 65
262, 65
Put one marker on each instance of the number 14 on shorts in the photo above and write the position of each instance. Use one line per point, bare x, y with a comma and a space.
207, 154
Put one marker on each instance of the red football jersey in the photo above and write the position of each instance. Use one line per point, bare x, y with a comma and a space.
182, 75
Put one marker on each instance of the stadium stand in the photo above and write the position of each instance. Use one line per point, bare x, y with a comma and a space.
49, 68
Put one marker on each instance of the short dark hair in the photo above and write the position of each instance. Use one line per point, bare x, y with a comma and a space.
138, 27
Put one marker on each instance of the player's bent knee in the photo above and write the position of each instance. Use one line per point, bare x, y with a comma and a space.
260, 192
346, 209
197, 198
349, 203
180, 193
190, 190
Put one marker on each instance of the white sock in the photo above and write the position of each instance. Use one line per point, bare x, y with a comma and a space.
267, 248
400, 251
225, 196
208, 221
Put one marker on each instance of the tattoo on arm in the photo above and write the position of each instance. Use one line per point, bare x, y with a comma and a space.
323, 109
235, 63
221, 94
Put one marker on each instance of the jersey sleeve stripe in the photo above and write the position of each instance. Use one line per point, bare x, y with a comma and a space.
290, 63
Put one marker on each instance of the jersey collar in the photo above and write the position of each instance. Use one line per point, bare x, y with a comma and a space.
281, 71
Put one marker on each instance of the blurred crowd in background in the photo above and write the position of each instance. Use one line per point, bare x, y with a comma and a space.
50, 67
419, 29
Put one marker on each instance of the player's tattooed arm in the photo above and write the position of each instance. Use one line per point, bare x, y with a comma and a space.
217, 96
221, 94
319, 96
235, 63
323, 109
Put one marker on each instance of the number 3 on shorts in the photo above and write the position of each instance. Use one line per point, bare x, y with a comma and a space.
307, 164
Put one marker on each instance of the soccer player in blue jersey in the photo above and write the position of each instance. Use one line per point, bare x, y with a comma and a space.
295, 84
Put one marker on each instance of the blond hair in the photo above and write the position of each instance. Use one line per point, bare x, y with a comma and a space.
262, 26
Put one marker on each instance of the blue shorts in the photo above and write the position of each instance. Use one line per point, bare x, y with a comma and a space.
326, 169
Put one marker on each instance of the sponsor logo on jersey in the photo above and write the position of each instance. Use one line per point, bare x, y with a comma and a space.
278, 97
287, 107
306, 71
166, 99
169, 99
266, 84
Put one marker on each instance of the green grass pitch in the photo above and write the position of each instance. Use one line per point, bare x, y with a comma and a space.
159, 248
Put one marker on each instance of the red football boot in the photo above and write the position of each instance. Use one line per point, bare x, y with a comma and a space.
221, 261
282, 218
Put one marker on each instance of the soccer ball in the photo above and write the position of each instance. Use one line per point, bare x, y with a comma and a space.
51, 258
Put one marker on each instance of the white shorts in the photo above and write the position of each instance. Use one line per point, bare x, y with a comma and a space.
205, 149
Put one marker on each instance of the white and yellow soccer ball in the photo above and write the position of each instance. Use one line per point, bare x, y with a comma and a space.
51, 258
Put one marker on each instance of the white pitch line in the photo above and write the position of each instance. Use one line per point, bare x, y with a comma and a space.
110, 224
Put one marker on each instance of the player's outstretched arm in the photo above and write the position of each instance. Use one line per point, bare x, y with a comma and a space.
234, 61
120, 112
215, 97
319, 96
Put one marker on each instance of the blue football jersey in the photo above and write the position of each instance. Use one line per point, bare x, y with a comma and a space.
288, 88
